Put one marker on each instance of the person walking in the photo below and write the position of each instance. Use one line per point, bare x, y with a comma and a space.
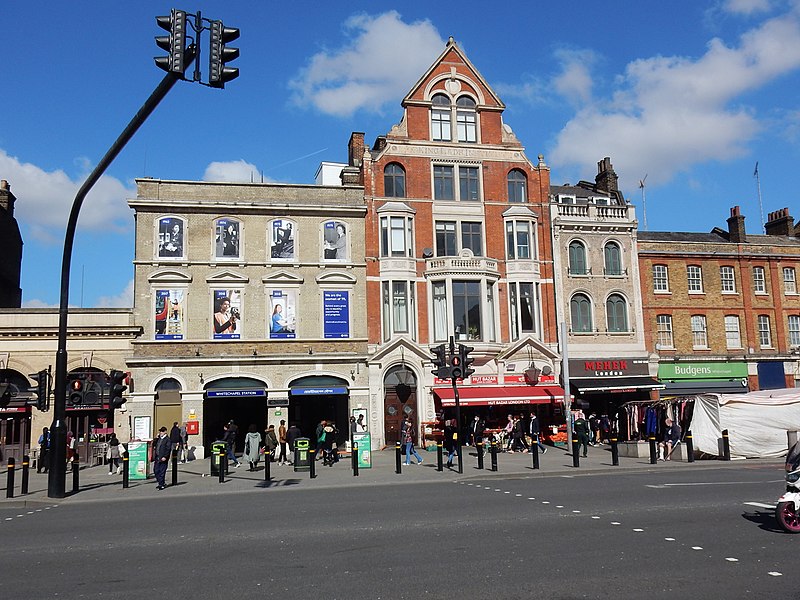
252, 447
319, 436
450, 440
42, 464
535, 432
581, 428
175, 438
229, 437
408, 439
184, 447
270, 444
282, 460
476, 430
162, 449
115, 450
518, 434
508, 431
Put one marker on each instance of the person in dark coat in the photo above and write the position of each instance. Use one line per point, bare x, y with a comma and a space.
535, 432
581, 428
476, 429
162, 449
449, 440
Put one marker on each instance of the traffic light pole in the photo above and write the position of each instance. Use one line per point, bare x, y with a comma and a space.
57, 478
458, 427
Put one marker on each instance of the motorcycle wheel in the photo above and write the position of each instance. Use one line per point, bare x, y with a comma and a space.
787, 517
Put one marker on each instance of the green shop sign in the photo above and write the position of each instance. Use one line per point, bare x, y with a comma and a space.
701, 370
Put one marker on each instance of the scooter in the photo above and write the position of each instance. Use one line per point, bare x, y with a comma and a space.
788, 510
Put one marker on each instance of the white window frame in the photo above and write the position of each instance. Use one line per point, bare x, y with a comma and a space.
794, 330
664, 333
759, 280
660, 281
694, 279
699, 326
733, 334
789, 281
514, 228
727, 279
764, 331
442, 315
396, 236
397, 301
515, 300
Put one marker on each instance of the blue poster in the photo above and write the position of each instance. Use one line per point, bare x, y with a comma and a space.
282, 322
336, 314
226, 321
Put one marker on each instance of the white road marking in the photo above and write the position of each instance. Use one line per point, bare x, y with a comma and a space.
559, 506
669, 539
697, 547
616, 523
518, 495
506, 492
545, 502
760, 504
595, 517
639, 530
731, 559
576, 511
775, 573
531, 498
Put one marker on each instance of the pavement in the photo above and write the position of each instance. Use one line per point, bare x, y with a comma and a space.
194, 478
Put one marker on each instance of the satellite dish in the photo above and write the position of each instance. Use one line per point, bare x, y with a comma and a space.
427, 253
546, 370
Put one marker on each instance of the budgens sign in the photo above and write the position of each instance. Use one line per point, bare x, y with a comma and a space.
700, 370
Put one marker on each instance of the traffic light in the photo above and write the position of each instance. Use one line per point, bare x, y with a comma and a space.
466, 360
456, 371
219, 54
174, 43
42, 389
76, 389
440, 368
115, 399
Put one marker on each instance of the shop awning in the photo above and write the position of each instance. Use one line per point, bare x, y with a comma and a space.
617, 384
687, 388
499, 395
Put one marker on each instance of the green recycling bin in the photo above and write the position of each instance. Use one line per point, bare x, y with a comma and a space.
216, 447
302, 457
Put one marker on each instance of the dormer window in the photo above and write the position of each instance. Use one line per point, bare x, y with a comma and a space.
440, 119
467, 120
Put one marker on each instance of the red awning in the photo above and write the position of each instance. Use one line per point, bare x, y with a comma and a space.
500, 395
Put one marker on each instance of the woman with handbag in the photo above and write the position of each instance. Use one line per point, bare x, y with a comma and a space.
252, 447
115, 450
408, 440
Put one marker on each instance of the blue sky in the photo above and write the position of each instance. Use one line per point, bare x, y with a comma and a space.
689, 93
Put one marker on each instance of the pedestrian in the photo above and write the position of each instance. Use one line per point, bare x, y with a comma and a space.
581, 428
508, 430
115, 450
535, 432
605, 428
476, 430
326, 442
252, 447
291, 435
594, 426
282, 460
319, 435
672, 435
175, 437
408, 439
70, 447
229, 437
270, 444
184, 449
162, 448
450, 442
44, 451
518, 436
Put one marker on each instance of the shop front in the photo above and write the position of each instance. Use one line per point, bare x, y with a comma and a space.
692, 378
602, 385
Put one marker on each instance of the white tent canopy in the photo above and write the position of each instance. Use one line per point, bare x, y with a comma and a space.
757, 422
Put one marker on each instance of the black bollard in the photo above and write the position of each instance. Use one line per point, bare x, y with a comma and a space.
76, 474
535, 452
398, 459
576, 459
267, 467
354, 455
125, 474
459, 451
312, 463
689, 446
26, 461
494, 455
174, 468
10, 479
479, 446
439, 465
653, 449
726, 445
223, 464
614, 452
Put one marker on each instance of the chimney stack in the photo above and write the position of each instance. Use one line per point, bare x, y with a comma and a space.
7, 199
779, 223
736, 231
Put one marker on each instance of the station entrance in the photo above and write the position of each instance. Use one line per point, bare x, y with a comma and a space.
312, 399
240, 399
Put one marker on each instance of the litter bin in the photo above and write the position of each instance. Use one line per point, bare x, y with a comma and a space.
216, 447
302, 459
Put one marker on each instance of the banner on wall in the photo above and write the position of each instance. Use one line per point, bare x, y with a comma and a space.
282, 323
364, 441
336, 314
227, 319
169, 313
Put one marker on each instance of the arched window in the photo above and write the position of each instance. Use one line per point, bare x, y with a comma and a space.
577, 258
440, 119
580, 308
617, 313
394, 181
613, 259
517, 186
466, 120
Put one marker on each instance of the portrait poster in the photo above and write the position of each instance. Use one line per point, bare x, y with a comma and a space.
282, 236
170, 237
226, 322
169, 324
282, 323
360, 415
336, 314
227, 238
334, 241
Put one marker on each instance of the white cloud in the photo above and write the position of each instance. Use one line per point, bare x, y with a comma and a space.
669, 113
574, 82
235, 171
44, 199
123, 300
36, 303
366, 74
746, 7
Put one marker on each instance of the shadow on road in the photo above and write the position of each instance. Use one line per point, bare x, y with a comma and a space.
764, 519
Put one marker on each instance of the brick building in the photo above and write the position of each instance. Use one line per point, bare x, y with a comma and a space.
457, 244
722, 309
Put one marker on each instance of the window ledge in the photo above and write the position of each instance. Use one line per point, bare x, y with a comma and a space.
663, 292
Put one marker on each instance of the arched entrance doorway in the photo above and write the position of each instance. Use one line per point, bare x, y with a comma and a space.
318, 397
399, 400
240, 399
15, 415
